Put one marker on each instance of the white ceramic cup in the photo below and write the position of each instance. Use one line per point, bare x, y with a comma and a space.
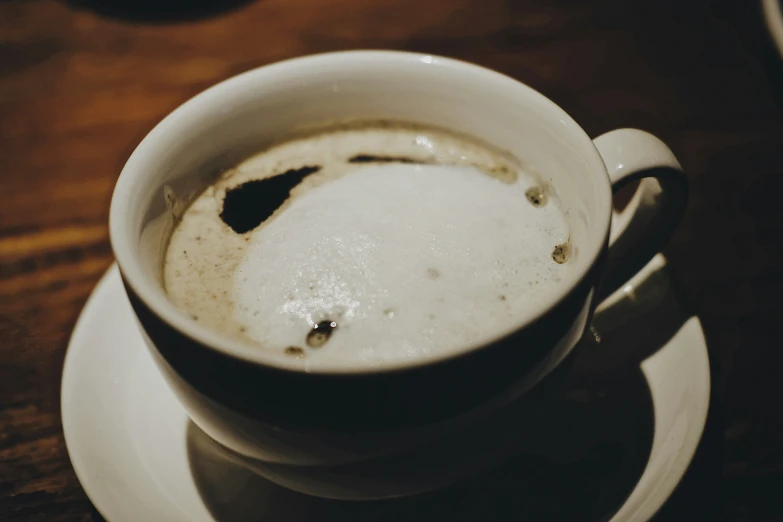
332, 431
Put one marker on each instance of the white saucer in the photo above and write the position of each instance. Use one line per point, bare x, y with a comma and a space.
139, 458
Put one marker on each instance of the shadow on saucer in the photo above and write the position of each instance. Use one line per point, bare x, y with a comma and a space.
158, 11
580, 441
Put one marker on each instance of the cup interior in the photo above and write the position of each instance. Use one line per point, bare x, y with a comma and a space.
225, 124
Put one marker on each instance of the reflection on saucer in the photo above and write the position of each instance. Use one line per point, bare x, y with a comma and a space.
580, 441
579, 453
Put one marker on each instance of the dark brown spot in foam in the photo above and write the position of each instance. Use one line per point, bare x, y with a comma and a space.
433, 273
247, 205
295, 351
371, 158
320, 333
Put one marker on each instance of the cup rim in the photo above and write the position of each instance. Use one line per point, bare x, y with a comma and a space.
153, 295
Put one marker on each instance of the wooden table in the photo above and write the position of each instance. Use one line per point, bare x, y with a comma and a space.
82, 82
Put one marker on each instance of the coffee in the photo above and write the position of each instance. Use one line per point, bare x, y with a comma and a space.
369, 244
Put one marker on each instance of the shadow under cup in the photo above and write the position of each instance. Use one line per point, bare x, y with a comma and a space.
261, 403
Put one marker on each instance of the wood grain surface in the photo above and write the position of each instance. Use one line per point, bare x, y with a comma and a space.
82, 82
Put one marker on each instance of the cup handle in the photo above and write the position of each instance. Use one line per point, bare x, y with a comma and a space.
641, 230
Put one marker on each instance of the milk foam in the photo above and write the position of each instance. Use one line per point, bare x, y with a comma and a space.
405, 259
